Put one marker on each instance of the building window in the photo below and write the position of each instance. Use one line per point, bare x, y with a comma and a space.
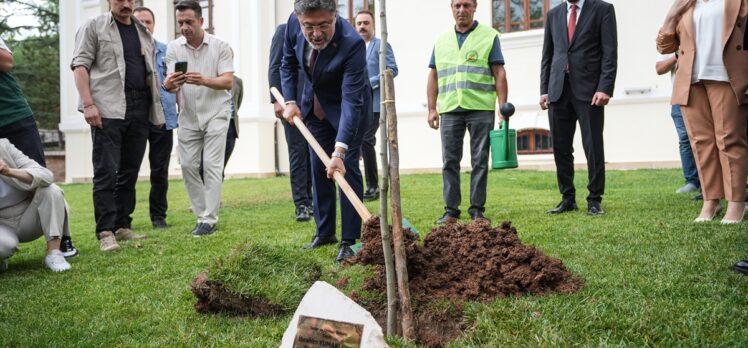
534, 141
207, 6
520, 15
349, 8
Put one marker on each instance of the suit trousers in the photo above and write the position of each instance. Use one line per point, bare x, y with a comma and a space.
118, 150
300, 167
325, 199
210, 145
369, 153
563, 116
715, 124
46, 213
161, 142
453, 127
24, 135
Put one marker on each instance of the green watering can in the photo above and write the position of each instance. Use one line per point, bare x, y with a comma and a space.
504, 142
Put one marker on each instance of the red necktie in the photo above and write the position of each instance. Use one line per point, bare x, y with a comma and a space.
318, 111
572, 22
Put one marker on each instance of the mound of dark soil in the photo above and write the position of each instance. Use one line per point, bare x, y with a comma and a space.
475, 262
471, 262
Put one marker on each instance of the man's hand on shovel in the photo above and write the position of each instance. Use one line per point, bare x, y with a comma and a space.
292, 111
336, 164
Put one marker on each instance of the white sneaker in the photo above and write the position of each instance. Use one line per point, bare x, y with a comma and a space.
687, 188
56, 261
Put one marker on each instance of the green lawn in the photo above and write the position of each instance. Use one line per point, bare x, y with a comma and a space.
653, 278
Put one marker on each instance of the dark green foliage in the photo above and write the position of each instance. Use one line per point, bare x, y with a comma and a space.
36, 52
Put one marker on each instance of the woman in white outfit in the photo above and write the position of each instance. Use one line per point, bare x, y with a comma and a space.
30, 206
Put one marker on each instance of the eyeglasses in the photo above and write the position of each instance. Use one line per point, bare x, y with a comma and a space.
321, 27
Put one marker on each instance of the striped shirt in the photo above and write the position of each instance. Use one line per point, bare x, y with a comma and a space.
198, 105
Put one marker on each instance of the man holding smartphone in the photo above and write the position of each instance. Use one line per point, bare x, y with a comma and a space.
205, 110
113, 61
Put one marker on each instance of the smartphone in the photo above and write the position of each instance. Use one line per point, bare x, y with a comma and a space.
180, 66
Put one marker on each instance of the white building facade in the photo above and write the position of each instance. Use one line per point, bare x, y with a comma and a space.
639, 132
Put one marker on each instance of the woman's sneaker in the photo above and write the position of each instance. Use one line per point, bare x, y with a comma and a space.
56, 262
67, 248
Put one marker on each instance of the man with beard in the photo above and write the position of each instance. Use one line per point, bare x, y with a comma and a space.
204, 113
335, 105
577, 76
365, 26
113, 64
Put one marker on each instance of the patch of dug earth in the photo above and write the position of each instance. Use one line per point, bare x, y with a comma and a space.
474, 262
247, 281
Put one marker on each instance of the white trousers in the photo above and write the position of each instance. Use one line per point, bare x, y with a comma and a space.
44, 214
210, 144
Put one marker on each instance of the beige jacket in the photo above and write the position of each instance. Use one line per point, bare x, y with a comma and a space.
43, 177
734, 55
98, 48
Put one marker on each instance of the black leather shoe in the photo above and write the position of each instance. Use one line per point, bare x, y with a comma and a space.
563, 207
445, 218
741, 266
593, 208
699, 197
160, 224
302, 213
371, 194
344, 252
318, 242
476, 215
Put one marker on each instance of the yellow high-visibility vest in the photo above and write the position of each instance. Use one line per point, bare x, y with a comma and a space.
465, 76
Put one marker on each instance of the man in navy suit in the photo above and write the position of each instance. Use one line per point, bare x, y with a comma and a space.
335, 105
365, 26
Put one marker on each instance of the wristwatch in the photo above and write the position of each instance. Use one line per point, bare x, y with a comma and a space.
340, 155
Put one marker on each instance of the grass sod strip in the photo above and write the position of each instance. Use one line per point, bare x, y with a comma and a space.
256, 280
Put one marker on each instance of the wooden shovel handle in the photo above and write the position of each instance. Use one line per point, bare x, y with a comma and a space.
339, 178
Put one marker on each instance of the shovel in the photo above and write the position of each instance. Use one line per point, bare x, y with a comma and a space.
339, 178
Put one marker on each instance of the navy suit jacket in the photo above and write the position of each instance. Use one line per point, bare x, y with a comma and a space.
339, 80
372, 63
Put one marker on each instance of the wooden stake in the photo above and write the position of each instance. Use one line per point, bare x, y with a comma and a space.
401, 264
389, 262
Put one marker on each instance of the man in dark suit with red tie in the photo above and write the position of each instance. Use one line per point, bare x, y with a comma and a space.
335, 105
577, 77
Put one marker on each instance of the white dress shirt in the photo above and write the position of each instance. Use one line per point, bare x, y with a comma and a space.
579, 5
